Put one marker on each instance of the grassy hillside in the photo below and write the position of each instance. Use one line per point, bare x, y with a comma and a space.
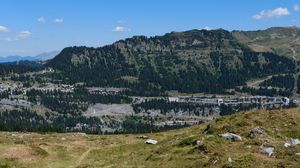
177, 148
281, 40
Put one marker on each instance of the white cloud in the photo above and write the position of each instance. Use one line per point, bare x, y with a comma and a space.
41, 20
3, 29
58, 20
20, 36
275, 13
23, 35
296, 7
120, 29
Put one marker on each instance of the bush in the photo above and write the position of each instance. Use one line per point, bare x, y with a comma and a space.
188, 141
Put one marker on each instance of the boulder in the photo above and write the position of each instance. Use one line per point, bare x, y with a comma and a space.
231, 136
151, 141
267, 150
256, 131
291, 142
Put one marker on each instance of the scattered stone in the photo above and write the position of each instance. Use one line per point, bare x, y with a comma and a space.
142, 137
298, 154
229, 159
267, 150
151, 141
215, 161
256, 131
291, 142
231, 136
198, 142
63, 139
249, 146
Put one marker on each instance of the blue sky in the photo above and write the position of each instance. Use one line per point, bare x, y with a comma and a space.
29, 27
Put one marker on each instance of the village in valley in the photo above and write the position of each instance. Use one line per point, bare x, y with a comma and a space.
175, 110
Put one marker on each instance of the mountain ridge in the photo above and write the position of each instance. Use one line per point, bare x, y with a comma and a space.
40, 57
187, 61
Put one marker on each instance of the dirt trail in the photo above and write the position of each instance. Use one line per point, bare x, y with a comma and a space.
294, 53
292, 49
254, 83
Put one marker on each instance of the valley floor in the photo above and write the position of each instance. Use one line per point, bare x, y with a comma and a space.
195, 146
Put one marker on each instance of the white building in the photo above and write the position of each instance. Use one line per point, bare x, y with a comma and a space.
173, 99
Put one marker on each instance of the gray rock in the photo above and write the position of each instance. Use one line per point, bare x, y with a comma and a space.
151, 142
249, 146
291, 142
229, 159
215, 161
267, 150
256, 131
231, 136
198, 142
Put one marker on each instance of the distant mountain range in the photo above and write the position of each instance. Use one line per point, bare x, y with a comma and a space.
40, 57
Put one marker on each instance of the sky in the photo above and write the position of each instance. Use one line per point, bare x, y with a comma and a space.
31, 27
